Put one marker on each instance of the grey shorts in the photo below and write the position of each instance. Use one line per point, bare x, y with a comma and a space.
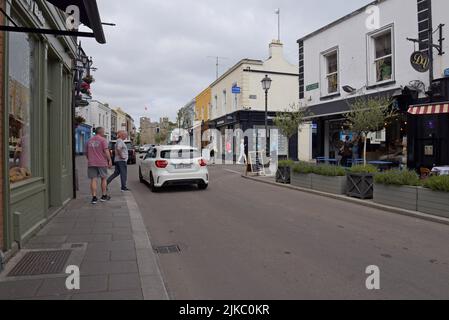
97, 172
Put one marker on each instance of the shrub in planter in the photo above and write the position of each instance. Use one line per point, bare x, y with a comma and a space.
302, 175
397, 189
330, 179
434, 197
361, 181
284, 171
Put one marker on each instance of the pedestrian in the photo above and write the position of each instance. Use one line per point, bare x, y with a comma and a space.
346, 152
121, 161
212, 156
99, 160
242, 153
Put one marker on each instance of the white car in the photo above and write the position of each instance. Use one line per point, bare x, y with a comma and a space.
145, 148
174, 165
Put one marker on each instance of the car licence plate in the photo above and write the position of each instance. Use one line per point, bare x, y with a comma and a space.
183, 166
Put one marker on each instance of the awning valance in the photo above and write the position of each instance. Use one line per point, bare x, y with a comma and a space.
436, 108
89, 15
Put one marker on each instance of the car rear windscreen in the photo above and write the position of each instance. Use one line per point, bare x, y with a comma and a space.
180, 154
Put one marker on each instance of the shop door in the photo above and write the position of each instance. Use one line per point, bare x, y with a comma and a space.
429, 151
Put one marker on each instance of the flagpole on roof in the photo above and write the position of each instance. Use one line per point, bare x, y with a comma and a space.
278, 12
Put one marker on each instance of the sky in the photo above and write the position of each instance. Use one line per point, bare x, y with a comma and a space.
158, 56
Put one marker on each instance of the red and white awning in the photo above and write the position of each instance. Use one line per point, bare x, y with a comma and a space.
429, 109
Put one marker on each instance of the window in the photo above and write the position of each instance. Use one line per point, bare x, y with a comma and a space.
21, 75
332, 72
382, 59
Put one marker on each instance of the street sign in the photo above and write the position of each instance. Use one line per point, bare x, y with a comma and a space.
236, 90
420, 61
446, 72
312, 87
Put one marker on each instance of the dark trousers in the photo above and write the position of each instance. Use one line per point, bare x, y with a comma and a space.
121, 169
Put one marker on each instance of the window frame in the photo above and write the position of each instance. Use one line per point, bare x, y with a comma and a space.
324, 75
371, 56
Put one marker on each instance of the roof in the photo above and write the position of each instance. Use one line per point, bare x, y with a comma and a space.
336, 22
235, 67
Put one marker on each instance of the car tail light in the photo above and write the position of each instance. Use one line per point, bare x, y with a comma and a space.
202, 163
161, 164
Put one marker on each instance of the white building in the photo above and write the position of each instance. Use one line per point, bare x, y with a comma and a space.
245, 108
367, 53
97, 114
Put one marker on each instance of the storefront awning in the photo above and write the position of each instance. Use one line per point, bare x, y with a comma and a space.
89, 15
437, 108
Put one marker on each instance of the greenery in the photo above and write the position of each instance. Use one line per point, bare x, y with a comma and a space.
360, 169
398, 178
290, 120
286, 163
437, 183
369, 115
79, 120
322, 170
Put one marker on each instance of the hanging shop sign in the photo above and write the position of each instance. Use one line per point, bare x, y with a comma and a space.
420, 61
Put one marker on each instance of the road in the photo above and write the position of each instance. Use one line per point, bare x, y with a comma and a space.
246, 240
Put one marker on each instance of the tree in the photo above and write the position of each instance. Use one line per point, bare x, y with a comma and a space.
290, 120
369, 114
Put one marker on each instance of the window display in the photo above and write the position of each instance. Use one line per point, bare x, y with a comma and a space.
21, 48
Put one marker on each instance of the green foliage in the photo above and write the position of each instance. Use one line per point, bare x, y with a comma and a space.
289, 121
322, 170
398, 178
440, 183
363, 169
286, 163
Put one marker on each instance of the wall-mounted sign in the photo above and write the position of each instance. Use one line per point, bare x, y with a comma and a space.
312, 87
34, 8
446, 72
420, 61
428, 151
253, 97
236, 90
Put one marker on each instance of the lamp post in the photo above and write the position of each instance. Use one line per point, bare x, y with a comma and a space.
266, 85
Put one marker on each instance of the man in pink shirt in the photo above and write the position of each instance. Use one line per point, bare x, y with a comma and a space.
99, 160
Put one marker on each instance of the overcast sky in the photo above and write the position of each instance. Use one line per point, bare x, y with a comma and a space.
157, 55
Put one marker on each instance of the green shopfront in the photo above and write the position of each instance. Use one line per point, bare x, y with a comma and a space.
38, 83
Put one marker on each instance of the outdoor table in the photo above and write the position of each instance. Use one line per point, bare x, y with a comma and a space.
383, 165
441, 171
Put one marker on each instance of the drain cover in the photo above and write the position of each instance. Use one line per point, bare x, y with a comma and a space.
41, 263
167, 249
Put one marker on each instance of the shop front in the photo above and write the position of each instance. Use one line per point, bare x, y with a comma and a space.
83, 133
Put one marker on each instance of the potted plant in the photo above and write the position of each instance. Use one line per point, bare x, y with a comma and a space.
330, 179
360, 181
301, 175
397, 189
283, 174
289, 123
433, 198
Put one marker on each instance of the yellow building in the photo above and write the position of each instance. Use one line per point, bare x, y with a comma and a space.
203, 102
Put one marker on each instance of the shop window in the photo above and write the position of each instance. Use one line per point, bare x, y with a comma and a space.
330, 76
382, 58
21, 75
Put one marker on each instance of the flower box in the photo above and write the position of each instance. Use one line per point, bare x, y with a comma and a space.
301, 180
433, 202
360, 185
334, 185
404, 197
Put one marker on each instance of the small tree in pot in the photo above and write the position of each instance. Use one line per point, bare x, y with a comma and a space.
367, 115
289, 123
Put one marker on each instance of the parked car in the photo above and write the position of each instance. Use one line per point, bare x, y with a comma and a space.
131, 151
174, 165
145, 148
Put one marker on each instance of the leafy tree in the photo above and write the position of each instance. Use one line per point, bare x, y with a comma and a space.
369, 114
290, 120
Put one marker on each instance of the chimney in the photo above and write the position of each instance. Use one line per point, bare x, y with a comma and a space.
276, 50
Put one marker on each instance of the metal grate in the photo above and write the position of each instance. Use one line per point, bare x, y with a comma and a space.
167, 249
41, 263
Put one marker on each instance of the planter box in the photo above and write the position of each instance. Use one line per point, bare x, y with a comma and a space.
283, 175
301, 180
360, 185
404, 197
334, 185
433, 202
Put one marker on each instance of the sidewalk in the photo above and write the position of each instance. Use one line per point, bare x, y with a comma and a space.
109, 243
365, 203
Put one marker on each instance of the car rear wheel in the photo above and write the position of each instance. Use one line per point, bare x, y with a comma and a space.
153, 188
203, 186
141, 179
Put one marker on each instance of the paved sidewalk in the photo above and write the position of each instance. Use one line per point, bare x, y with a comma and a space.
108, 241
365, 203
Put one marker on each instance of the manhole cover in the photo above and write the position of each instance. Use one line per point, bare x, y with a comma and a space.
41, 263
167, 249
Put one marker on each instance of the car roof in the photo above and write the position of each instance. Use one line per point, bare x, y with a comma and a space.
168, 148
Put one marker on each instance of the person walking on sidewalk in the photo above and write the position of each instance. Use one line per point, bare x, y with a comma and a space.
99, 160
121, 161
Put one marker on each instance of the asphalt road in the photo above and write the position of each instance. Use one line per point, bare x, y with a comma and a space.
245, 240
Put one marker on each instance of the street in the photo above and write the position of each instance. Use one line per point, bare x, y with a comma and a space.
245, 240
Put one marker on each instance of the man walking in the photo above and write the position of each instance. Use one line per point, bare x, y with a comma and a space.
121, 161
99, 160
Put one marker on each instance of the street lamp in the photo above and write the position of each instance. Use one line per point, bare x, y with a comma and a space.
266, 85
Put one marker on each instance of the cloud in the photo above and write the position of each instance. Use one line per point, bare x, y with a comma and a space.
158, 54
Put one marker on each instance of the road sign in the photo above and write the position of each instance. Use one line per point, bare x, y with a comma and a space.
236, 90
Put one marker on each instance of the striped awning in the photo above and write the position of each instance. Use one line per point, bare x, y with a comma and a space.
437, 108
